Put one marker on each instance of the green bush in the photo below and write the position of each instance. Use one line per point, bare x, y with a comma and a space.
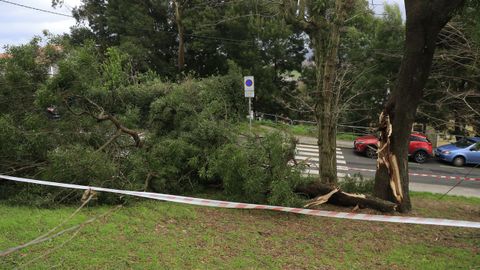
171, 165
26, 140
82, 165
141, 95
258, 170
357, 184
197, 101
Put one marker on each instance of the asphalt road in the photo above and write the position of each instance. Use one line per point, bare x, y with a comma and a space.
432, 175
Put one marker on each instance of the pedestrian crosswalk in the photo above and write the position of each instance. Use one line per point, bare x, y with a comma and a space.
308, 153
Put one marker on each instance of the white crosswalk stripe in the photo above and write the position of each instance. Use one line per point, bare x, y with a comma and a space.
308, 153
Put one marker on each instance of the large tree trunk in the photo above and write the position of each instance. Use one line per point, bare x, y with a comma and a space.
326, 111
425, 19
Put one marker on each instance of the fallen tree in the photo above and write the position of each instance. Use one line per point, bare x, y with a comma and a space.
97, 112
320, 193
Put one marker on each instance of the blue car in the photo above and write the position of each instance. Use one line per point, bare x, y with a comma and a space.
464, 151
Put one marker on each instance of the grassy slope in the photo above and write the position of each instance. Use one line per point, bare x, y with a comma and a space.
159, 235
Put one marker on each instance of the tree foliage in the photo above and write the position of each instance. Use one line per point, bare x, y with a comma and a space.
149, 95
123, 129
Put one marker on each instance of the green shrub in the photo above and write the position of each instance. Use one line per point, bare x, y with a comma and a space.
357, 184
23, 141
170, 164
258, 170
141, 95
82, 165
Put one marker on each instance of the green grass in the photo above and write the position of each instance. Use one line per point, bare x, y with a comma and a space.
445, 258
347, 136
450, 198
160, 235
303, 130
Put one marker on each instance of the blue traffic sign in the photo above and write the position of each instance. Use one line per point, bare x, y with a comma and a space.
249, 83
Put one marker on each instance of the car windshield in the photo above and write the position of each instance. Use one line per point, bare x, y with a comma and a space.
464, 143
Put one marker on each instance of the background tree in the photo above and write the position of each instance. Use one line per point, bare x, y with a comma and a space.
250, 33
323, 22
370, 53
452, 92
143, 29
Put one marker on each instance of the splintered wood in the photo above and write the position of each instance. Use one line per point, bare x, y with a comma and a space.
387, 158
321, 199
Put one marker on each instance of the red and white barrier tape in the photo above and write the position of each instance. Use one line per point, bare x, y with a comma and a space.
447, 177
226, 204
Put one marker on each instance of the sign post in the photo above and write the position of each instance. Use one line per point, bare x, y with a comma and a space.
249, 85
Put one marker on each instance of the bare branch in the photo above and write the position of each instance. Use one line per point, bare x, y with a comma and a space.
101, 115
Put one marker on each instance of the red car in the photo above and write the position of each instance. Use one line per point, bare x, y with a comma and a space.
420, 148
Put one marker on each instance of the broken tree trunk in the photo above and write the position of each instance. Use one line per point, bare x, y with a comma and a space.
425, 19
337, 197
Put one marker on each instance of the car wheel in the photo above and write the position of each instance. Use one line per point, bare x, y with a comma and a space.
458, 161
371, 151
420, 156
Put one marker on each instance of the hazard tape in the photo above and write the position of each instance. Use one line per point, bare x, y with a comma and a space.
226, 204
447, 177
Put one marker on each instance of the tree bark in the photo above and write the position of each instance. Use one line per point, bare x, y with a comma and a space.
425, 19
324, 30
181, 35
326, 111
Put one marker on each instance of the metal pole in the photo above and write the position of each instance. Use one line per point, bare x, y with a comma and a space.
250, 112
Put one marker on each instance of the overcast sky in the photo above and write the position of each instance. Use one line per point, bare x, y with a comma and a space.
18, 24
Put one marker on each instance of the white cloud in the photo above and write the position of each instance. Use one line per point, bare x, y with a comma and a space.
378, 5
18, 24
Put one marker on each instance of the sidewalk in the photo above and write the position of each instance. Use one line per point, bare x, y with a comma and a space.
442, 189
313, 140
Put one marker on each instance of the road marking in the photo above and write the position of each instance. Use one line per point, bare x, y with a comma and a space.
315, 166
313, 150
309, 153
315, 158
306, 154
312, 146
306, 145
424, 175
307, 149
